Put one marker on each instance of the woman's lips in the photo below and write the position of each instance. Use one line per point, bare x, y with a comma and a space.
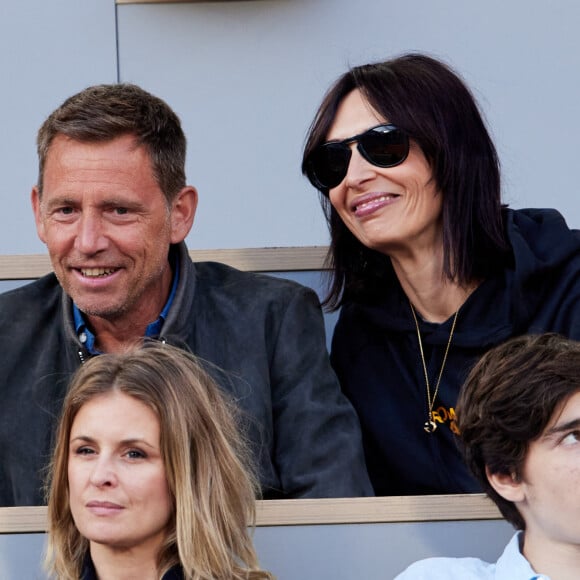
104, 508
368, 204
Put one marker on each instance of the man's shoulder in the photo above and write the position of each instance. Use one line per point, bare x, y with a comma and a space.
29, 294
38, 295
30, 314
213, 276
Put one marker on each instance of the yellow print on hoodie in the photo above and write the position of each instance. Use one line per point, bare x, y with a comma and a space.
444, 416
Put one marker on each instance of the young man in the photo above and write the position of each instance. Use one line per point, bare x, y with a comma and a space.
519, 418
113, 208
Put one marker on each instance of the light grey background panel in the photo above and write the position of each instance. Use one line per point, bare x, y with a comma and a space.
21, 556
6, 285
373, 551
48, 51
322, 552
246, 78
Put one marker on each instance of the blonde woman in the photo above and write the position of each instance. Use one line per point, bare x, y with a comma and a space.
149, 477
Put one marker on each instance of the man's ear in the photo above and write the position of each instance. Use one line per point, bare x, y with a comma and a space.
183, 210
35, 199
509, 486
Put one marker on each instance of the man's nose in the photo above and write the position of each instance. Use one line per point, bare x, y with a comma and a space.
90, 235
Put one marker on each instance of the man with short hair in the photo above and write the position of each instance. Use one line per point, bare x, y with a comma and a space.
519, 417
113, 208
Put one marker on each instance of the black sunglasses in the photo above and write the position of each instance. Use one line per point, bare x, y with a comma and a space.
383, 146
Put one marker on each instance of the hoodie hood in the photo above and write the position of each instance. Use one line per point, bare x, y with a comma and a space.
539, 289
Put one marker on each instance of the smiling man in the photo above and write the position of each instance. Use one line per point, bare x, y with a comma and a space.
113, 208
519, 417
108, 228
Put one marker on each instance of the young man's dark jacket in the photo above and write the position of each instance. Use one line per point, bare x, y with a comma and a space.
264, 341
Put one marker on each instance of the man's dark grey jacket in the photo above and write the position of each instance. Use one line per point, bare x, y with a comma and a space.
264, 341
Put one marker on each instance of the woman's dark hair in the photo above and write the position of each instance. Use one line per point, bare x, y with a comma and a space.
426, 99
508, 400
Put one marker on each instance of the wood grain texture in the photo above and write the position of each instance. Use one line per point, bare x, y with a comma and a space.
293, 512
282, 259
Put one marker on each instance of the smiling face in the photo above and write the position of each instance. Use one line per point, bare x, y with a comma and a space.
394, 209
108, 226
118, 489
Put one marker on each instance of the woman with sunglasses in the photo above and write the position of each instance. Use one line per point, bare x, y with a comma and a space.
430, 270
149, 476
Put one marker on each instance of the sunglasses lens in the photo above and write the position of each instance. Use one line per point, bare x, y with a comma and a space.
328, 165
384, 146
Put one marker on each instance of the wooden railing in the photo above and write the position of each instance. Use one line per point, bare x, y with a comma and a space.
31, 266
293, 512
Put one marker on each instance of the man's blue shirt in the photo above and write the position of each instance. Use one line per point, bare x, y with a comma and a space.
153, 328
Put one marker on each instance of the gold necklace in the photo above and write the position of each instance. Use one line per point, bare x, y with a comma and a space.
430, 425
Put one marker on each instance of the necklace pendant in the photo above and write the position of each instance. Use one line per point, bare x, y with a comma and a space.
430, 426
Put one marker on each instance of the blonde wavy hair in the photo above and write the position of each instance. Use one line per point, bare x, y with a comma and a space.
206, 465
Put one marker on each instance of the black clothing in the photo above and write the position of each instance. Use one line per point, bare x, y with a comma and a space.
376, 355
265, 334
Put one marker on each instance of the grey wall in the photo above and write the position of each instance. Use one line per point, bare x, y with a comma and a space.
322, 552
48, 50
246, 77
